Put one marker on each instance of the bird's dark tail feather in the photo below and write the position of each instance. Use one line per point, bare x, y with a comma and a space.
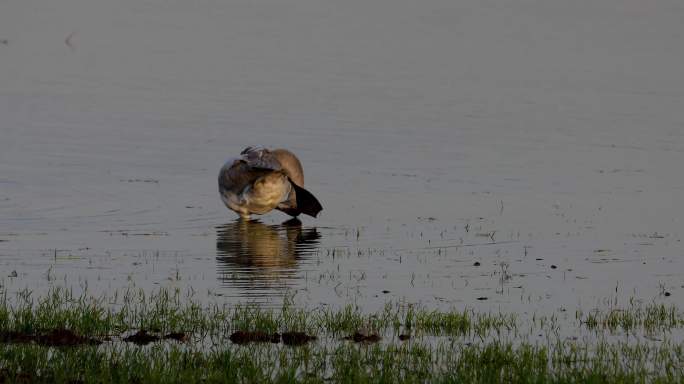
306, 202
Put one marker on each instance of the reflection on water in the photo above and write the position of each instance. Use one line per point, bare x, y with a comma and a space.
257, 256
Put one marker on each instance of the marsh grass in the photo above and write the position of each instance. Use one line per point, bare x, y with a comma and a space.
449, 346
650, 318
347, 363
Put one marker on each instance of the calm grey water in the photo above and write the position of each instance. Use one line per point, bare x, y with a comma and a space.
542, 139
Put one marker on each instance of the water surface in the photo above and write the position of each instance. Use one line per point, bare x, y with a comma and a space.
521, 156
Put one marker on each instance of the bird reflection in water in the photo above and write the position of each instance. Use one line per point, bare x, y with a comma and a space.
253, 255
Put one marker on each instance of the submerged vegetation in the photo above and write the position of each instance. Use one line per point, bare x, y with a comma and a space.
170, 337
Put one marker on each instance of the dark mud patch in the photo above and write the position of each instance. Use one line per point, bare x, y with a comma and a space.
142, 337
15, 337
178, 336
64, 338
297, 338
359, 337
52, 338
244, 337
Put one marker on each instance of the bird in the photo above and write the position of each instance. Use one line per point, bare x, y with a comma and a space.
261, 180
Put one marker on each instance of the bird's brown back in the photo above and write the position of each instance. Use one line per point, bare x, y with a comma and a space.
291, 165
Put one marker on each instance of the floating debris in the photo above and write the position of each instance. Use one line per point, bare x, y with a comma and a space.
429, 218
125, 232
68, 42
145, 180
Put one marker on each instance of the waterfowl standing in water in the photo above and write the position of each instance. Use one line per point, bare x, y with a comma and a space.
261, 180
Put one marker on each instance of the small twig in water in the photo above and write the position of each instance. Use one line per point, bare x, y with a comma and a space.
67, 41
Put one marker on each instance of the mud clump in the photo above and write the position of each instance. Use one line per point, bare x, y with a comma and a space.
64, 338
15, 337
359, 337
297, 338
244, 337
141, 338
178, 336
53, 338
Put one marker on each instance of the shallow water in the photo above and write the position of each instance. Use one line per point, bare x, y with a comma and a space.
542, 140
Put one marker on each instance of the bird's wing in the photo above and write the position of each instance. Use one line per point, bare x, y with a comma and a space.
260, 158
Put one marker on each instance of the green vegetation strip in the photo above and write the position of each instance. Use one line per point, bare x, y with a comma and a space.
347, 363
65, 338
171, 311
